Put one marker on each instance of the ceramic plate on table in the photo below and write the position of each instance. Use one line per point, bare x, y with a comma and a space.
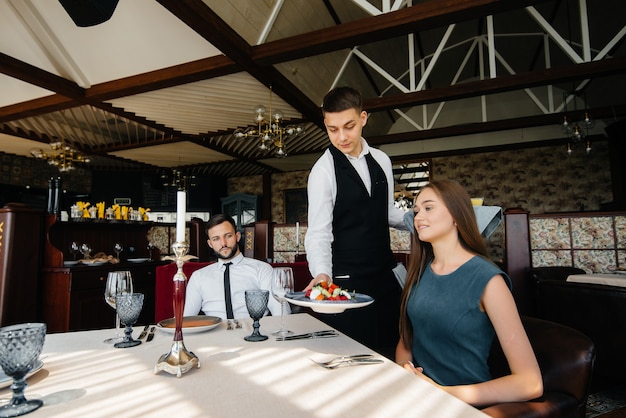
138, 260
359, 300
191, 324
94, 263
6, 381
619, 271
70, 263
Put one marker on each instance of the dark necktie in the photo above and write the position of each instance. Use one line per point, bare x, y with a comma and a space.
229, 304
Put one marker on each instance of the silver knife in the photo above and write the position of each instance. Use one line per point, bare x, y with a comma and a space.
317, 334
150, 334
144, 332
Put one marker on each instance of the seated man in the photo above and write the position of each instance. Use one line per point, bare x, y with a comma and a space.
207, 287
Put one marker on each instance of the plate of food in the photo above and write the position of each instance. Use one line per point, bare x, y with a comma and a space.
191, 324
6, 381
329, 299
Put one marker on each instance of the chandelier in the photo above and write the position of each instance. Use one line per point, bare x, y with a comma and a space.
64, 159
269, 130
178, 179
577, 131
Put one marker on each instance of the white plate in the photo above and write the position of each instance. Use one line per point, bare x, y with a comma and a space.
138, 260
6, 381
70, 263
94, 263
619, 271
329, 306
191, 324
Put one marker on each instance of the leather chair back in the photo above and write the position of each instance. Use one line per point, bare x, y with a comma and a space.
566, 358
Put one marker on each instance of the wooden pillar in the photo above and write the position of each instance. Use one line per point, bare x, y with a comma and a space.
518, 258
263, 240
21, 234
617, 150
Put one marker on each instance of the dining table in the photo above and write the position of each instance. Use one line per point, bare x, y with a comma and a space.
84, 377
609, 279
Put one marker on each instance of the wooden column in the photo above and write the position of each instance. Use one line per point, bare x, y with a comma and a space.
263, 240
20, 260
518, 258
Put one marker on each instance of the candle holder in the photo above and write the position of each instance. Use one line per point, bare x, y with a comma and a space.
178, 360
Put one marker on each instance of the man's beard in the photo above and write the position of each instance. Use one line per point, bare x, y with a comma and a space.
230, 255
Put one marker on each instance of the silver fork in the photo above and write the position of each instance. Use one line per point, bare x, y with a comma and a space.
342, 358
352, 362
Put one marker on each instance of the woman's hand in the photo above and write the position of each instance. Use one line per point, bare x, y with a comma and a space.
418, 371
317, 279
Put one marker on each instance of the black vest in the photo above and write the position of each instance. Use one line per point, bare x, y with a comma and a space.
361, 247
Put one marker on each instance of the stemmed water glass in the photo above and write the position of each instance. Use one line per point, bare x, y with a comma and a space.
85, 250
74, 249
151, 249
118, 282
128, 308
256, 302
282, 283
20, 346
118, 248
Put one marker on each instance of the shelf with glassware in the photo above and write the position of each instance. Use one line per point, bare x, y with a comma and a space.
77, 259
73, 297
73, 288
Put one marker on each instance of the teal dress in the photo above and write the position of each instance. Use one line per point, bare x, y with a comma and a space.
452, 337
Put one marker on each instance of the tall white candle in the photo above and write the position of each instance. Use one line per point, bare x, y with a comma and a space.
297, 234
181, 207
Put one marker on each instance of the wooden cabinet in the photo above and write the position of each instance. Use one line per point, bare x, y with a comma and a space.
244, 209
74, 297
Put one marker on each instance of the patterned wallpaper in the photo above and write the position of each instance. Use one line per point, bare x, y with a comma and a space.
596, 244
540, 180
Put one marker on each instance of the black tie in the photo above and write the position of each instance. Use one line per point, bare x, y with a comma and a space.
229, 304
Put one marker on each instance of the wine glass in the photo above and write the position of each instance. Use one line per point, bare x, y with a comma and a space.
20, 346
256, 302
118, 248
282, 283
151, 249
118, 282
85, 250
74, 249
128, 308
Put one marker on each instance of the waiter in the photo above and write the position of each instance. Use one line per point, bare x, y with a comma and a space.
351, 206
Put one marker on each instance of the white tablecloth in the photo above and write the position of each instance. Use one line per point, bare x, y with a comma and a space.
83, 377
611, 279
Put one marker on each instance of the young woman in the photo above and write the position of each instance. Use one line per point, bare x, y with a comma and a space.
455, 301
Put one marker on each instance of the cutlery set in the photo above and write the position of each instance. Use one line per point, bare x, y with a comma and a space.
354, 360
229, 324
317, 334
150, 335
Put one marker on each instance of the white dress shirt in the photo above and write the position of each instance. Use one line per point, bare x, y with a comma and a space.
322, 194
205, 289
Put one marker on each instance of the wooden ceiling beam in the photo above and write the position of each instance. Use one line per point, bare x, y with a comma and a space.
499, 84
419, 17
206, 23
491, 126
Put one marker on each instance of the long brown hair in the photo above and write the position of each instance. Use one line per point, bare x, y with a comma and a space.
459, 204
